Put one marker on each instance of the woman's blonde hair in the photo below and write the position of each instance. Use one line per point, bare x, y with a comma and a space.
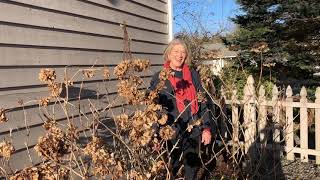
173, 43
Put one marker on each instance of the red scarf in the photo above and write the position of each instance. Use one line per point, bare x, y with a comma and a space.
184, 89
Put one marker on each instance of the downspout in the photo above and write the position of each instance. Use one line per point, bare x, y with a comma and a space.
170, 20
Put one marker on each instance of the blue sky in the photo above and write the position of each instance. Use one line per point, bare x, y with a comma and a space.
213, 15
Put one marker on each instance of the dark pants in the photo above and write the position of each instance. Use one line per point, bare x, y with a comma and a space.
188, 147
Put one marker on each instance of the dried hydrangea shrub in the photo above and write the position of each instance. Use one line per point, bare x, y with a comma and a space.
6, 149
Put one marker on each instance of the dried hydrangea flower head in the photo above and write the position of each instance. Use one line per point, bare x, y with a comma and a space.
140, 65
167, 133
6, 149
121, 69
123, 122
165, 74
47, 75
3, 117
44, 101
106, 73
88, 73
44, 171
53, 145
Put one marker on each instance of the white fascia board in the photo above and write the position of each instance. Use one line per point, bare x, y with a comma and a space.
170, 20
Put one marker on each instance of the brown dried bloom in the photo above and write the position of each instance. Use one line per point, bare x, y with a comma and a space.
53, 145
68, 81
123, 121
154, 107
165, 74
194, 123
55, 89
121, 69
167, 133
88, 73
47, 75
163, 120
3, 117
106, 73
129, 89
27, 173
140, 65
146, 137
93, 146
104, 162
72, 132
158, 166
44, 101
6, 149
44, 171
151, 97
136, 175
138, 120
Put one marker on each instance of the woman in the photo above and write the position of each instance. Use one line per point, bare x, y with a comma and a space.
179, 99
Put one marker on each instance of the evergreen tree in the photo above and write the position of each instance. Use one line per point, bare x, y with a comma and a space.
283, 33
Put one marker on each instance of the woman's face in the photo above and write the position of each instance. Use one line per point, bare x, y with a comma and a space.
177, 56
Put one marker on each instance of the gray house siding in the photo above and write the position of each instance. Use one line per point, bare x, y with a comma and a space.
36, 34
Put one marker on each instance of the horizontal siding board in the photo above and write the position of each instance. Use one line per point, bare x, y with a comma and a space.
21, 91
153, 4
21, 56
36, 17
34, 116
30, 137
21, 160
133, 8
96, 12
39, 37
30, 76
10, 100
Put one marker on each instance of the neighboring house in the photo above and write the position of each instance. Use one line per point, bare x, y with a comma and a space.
36, 34
216, 55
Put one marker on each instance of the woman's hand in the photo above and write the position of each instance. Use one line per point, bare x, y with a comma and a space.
206, 136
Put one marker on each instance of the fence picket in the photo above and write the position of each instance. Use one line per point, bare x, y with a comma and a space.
262, 115
249, 113
317, 124
224, 119
276, 114
235, 118
288, 129
304, 124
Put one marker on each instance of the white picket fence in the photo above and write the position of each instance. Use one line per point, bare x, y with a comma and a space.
255, 110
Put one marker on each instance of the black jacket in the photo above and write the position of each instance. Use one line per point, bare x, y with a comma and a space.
168, 101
